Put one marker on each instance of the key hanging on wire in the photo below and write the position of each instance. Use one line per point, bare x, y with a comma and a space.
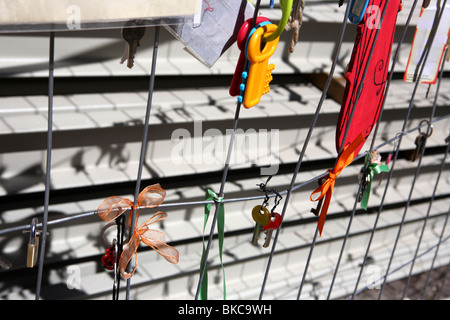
421, 141
132, 34
275, 221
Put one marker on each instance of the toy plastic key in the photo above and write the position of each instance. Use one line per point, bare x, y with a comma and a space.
242, 38
260, 72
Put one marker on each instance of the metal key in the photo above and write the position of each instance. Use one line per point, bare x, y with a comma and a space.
274, 224
261, 216
420, 144
133, 36
421, 141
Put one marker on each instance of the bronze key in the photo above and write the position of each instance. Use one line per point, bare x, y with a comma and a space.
133, 36
420, 141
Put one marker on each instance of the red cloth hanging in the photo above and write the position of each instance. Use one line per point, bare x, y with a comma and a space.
369, 104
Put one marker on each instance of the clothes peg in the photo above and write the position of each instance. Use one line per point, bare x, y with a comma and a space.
242, 38
357, 10
33, 244
255, 82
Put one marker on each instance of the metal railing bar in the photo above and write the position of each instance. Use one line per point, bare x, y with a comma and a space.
282, 251
422, 67
229, 200
342, 145
224, 177
399, 268
51, 66
305, 145
144, 143
436, 183
444, 282
434, 258
396, 149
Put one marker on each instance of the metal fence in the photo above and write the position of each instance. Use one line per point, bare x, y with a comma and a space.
345, 276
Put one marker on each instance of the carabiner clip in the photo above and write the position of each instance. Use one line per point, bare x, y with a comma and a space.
286, 7
357, 10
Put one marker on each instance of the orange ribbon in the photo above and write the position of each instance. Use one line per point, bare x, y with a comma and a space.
151, 197
326, 189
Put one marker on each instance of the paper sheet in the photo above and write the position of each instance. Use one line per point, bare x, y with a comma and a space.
217, 31
424, 26
29, 15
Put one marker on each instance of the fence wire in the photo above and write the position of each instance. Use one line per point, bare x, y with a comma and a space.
293, 185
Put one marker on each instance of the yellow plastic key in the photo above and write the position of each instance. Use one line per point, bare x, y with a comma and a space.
260, 72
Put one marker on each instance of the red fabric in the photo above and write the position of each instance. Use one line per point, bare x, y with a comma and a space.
368, 108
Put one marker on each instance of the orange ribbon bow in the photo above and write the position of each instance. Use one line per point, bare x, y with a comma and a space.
326, 189
151, 197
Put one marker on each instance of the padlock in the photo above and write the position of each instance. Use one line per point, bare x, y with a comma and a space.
33, 245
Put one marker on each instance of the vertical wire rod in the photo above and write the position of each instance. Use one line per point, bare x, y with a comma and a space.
435, 185
217, 206
444, 282
394, 62
360, 87
224, 178
435, 254
422, 67
336, 57
305, 145
51, 67
144, 143
400, 267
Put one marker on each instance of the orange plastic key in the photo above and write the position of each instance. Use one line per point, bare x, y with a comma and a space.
241, 43
260, 72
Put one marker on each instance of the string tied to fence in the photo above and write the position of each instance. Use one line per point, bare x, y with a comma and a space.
212, 196
325, 190
151, 197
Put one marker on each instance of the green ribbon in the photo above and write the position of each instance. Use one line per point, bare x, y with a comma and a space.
372, 169
210, 195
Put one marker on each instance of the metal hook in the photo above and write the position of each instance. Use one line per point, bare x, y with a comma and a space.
429, 131
103, 231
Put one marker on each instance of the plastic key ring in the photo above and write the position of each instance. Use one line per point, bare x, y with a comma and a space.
260, 72
357, 10
241, 43
244, 76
